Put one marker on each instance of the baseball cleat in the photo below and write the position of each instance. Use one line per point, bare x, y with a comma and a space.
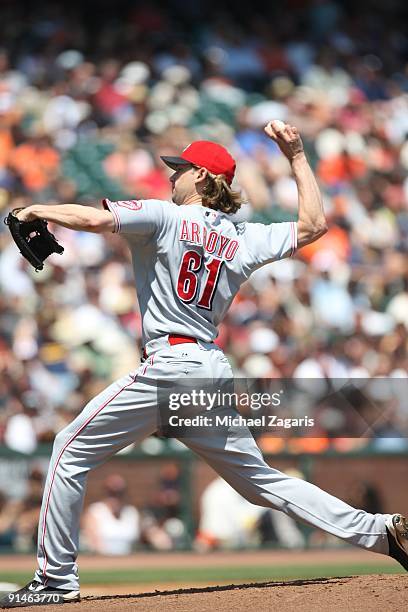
397, 532
36, 594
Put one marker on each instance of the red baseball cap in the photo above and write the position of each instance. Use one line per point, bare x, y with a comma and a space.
205, 154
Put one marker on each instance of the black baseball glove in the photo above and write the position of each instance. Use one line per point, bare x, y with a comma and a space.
33, 239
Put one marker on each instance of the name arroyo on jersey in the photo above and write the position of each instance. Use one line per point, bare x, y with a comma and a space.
212, 241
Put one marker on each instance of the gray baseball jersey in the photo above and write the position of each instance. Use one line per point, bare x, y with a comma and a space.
190, 261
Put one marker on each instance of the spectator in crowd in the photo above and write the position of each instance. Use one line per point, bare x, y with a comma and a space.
227, 520
162, 526
111, 526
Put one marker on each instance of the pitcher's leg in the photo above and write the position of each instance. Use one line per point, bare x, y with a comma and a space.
123, 413
236, 457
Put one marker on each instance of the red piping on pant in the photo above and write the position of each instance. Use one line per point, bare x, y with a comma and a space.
148, 364
55, 469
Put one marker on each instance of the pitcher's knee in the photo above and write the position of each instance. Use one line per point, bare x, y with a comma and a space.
68, 459
258, 496
60, 440
66, 445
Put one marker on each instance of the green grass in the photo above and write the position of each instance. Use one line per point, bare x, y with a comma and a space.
205, 575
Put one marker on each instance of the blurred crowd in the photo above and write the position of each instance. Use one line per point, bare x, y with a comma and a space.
89, 100
112, 524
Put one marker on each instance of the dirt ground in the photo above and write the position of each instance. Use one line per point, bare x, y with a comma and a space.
385, 593
379, 593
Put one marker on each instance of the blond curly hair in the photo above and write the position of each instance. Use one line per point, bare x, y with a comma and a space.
218, 195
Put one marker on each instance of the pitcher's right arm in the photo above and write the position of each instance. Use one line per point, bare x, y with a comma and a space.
311, 223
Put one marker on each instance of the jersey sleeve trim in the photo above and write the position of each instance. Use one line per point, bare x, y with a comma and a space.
293, 233
108, 205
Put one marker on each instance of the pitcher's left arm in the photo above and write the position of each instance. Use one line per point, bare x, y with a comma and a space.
72, 216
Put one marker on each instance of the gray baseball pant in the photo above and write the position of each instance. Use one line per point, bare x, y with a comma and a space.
126, 412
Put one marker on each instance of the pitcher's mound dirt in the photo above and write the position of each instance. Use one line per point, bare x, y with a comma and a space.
381, 593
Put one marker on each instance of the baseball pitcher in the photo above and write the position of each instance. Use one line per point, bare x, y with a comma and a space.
189, 260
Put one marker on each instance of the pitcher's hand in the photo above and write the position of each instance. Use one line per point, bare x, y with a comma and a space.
286, 137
